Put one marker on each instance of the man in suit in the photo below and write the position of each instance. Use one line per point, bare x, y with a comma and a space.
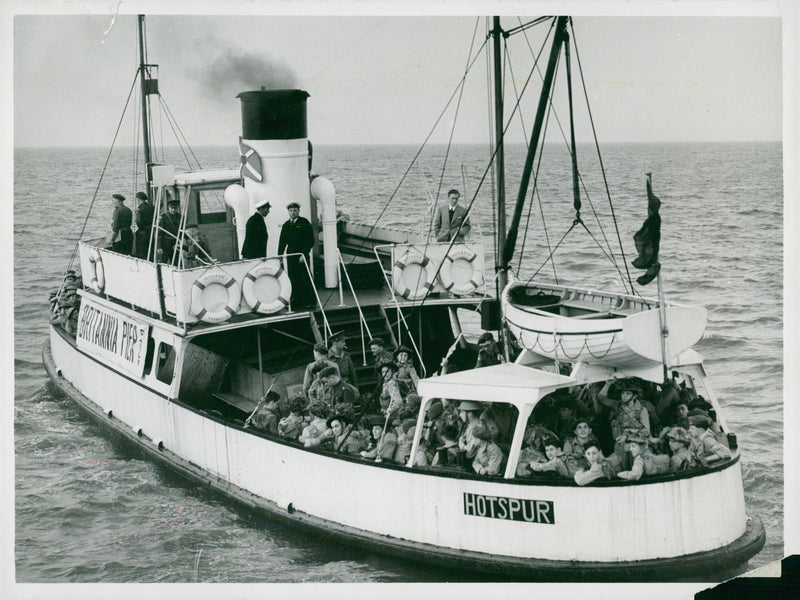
447, 219
255, 236
297, 237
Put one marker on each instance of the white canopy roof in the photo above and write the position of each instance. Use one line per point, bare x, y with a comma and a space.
516, 384
209, 176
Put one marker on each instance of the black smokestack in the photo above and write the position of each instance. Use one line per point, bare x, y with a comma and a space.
274, 114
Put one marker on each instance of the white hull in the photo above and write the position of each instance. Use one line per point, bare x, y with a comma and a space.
399, 508
612, 330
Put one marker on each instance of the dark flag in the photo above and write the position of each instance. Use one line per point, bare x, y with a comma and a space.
648, 238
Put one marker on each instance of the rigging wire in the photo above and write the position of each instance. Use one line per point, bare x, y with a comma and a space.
488, 167
416, 156
535, 189
99, 181
608, 253
490, 121
136, 133
599, 157
467, 68
182, 139
179, 134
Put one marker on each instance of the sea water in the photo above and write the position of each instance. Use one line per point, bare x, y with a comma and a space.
89, 508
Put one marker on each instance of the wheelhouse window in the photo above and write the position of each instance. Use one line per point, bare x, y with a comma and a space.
210, 206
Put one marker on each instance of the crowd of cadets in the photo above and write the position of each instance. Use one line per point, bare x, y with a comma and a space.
623, 429
64, 307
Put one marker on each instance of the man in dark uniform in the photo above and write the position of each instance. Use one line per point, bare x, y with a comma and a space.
338, 354
144, 225
122, 240
297, 237
255, 237
169, 224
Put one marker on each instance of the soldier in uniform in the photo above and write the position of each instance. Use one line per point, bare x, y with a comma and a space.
266, 415
144, 225
320, 358
380, 354
337, 391
122, 240
297, 237
255, 237
339, 355
169, 223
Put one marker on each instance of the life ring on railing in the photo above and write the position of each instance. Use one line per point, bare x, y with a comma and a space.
215, 296
266, 287
97, 274
412, 275
462, 271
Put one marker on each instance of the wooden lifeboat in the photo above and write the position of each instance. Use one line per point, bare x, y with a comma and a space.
616, 330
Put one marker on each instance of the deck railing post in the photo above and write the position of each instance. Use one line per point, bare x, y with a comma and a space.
362, 320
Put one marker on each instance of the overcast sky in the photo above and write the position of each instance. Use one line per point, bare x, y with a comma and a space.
385, 79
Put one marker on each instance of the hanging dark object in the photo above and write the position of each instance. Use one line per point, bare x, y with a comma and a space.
648, 238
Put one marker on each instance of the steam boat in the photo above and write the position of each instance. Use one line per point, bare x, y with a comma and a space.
174, 351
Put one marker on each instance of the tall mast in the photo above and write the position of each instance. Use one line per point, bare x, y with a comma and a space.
558, 41
497, 32
146, 86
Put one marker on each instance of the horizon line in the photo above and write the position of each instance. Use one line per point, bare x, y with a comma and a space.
335, 144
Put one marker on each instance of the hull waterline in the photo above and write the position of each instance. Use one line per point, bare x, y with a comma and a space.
696, 566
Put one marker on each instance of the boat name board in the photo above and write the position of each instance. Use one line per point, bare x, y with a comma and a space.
510, 509
114, 336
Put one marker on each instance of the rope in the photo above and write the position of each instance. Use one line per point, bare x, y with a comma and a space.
99, 181
490, 121
550, 256
600, 158
181, 138
416, 156
449, 145
173, 126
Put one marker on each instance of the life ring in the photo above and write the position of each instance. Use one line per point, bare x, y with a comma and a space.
267, 287
215, 296
462, 271
412, 275
97, 279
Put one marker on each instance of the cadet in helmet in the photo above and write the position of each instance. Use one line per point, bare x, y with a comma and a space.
635, 444
406, 373
266, 415
704, 444
320, 358
338, 354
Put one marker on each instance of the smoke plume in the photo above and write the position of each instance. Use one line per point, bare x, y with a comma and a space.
231, 72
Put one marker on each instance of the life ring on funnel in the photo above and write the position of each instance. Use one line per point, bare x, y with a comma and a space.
462, 271
215, 296
97, 273
267, 287
412, 275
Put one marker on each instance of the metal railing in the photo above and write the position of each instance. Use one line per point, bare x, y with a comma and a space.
362, 320
400, 315
327, 326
